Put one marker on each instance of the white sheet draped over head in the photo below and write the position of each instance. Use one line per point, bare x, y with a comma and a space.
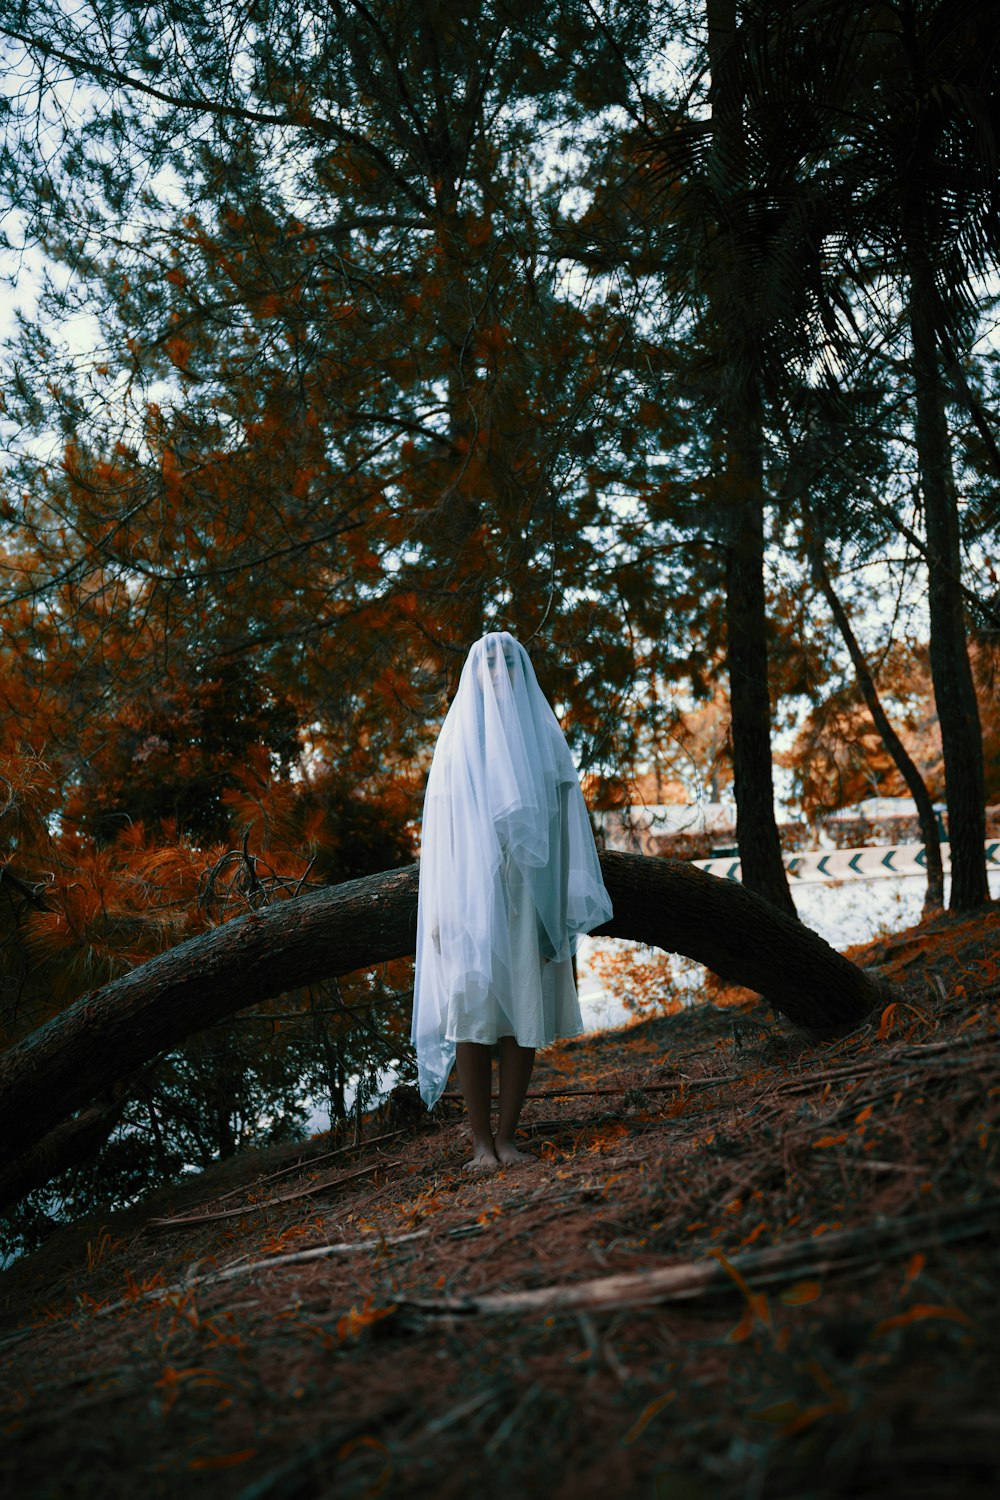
503, 791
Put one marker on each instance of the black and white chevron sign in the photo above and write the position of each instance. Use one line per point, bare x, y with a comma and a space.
877, 862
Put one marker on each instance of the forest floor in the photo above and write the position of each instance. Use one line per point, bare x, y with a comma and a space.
744, 1264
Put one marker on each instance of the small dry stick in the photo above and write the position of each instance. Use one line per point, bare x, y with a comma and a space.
304, 1163
647, 1088
252, 1208
317, 1252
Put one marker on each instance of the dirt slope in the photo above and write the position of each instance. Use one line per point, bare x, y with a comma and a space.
743, 1264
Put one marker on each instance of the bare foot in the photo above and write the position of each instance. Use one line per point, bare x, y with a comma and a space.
509, 1155
484, 1159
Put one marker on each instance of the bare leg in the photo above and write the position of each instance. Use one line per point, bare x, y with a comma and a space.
516, 1064
475, 1076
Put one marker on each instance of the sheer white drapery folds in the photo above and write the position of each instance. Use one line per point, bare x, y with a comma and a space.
503, 811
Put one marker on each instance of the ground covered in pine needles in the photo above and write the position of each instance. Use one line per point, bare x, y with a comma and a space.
744, 1264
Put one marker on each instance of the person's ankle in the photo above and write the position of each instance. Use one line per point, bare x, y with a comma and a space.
509, 1152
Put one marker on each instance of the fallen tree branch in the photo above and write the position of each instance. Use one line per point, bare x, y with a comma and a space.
622, 1088
666, 903
305, 1163
269, 1263
840, 1250
311, 1191
908, 1057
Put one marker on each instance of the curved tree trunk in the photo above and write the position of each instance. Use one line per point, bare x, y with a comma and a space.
108, 1035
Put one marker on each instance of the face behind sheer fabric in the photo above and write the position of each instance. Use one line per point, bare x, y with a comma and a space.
495, 675
494, 661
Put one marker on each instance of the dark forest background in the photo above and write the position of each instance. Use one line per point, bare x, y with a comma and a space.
662, 334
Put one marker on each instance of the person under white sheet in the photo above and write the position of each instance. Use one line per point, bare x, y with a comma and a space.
509, 882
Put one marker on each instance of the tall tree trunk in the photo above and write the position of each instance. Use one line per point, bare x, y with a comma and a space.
110, 1034
763, 869
934, 899
460, 514
741, 413
954, 691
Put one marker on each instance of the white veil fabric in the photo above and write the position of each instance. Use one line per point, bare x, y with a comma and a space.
505, 834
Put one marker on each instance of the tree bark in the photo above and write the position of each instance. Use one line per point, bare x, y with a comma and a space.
740, 410
954, 691
763, 869
934, 898
111, 1033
